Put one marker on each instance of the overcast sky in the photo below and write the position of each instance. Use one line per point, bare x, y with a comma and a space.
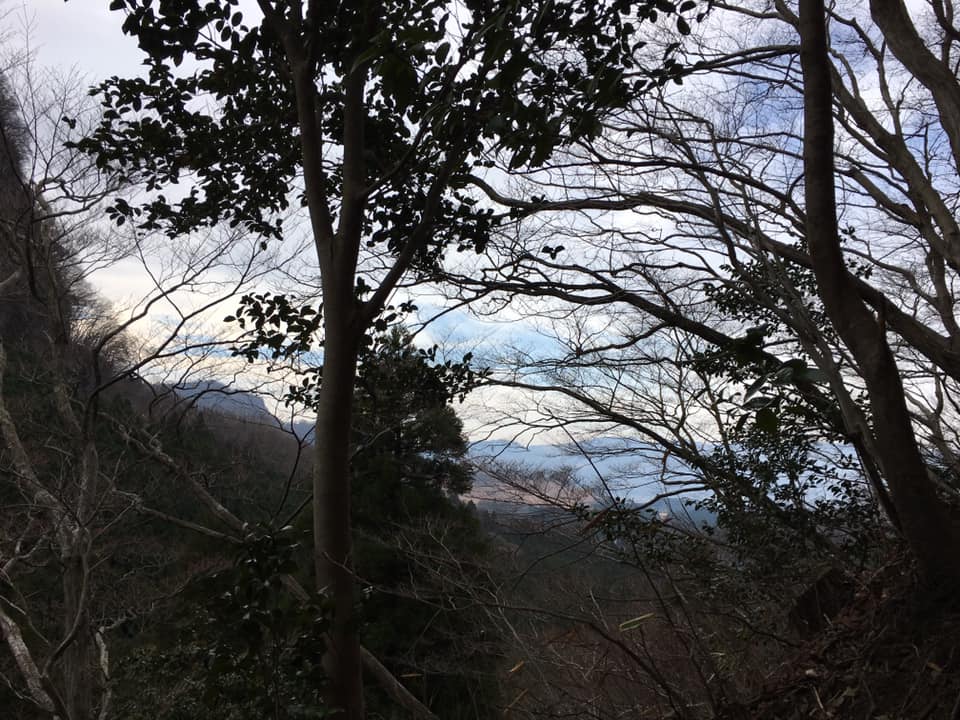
80, 33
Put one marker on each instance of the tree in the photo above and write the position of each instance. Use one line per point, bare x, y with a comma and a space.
929, 525
42, 282
249, 633
678, 236
65, 357
416, 541
391, 106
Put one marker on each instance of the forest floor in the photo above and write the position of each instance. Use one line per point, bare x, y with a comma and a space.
893, 653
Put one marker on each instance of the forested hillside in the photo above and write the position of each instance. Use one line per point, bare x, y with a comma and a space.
512, 359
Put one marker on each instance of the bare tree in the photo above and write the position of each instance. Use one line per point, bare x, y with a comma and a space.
63, 506
685, 219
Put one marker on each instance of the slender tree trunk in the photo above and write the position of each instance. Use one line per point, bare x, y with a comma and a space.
927, 523
332, 518
77, 662
337, 253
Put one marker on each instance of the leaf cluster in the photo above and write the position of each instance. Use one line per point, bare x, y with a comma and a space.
218, 108
262, 631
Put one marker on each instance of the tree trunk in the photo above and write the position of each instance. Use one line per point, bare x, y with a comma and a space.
333, 555
337, 254
927, 523
77, 662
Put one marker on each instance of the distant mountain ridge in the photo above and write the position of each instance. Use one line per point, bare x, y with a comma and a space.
610, 462
543, 458
220, 397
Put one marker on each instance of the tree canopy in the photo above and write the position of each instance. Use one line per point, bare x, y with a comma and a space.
372, 116
728, 231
